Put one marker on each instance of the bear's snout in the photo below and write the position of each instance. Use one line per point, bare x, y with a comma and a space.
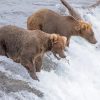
62, 54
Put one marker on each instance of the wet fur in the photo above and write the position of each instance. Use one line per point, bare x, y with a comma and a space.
27, 47
51, 22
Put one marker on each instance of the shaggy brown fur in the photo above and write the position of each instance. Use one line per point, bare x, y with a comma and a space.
28, 47
51, 22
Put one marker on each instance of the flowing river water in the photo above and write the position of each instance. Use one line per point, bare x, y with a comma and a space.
78, 80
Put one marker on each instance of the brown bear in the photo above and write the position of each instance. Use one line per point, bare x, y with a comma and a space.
28, 47
51, 22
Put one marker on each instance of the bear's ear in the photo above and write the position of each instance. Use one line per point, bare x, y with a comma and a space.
53, 37
64, 40
84, 25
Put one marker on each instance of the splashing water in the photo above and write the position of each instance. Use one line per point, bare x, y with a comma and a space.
79, 80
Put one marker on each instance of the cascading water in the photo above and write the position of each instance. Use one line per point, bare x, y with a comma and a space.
78, 80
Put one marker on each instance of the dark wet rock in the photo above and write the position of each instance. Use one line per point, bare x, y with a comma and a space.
10, 85
49, 64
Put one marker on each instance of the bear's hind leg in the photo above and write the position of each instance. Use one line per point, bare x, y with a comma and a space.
2, 51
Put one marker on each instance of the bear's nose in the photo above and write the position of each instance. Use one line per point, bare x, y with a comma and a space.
62, 55
94, 42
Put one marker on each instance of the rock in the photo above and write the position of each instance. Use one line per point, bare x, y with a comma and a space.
49, 64
10, 85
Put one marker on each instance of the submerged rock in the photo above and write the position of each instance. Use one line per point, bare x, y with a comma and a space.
49, 64
9, 85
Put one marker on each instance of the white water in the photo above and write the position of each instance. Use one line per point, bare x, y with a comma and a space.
80, 80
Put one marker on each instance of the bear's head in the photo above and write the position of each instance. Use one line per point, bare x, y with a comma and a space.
58, 45
85, 30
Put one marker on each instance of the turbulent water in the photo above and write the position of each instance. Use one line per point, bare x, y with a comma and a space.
78, 80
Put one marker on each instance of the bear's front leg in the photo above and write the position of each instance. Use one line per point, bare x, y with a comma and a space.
68, 41
30, 66
32, 72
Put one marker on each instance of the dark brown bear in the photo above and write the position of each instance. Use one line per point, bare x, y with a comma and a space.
28, 47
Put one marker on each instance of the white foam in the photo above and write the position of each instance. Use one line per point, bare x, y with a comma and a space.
79, 80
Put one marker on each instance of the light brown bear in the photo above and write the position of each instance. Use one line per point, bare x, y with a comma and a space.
28, 47
51, 22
